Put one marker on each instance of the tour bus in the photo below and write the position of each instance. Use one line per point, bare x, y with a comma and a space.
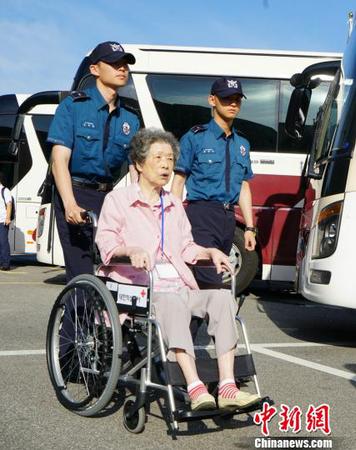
168, 88
327, 238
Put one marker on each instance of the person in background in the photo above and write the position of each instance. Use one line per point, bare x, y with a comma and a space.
90, 134
215, 166
5, 214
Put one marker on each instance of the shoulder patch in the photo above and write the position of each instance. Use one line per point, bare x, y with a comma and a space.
79, 95
198, 128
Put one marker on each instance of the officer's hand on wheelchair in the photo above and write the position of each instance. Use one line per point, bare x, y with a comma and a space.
220, 260
74, 215
139, 258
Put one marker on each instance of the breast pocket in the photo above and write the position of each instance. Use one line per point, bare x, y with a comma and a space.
87, 141
118, 151
210, 165
239, 169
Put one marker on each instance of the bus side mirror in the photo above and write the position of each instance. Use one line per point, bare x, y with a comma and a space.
297, 112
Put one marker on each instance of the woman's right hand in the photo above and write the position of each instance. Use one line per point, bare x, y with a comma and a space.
140, 259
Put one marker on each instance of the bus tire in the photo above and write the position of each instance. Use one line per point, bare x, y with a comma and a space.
246, 260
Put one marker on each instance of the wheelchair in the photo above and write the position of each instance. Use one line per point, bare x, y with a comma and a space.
91, 355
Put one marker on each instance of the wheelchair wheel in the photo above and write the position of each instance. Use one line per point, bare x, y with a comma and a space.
136, 423
84, 346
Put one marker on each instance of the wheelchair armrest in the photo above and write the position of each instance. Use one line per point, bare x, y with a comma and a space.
120, 260
202, 263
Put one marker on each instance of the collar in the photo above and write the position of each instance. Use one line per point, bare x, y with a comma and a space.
136, 197
218, 132
99, 100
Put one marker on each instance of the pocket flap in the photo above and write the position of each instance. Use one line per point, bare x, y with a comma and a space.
209, 158
88, 134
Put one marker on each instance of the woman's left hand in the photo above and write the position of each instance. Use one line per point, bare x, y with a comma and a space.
220, 260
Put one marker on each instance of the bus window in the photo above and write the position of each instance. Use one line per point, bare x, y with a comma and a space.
41, 124
181, 102
14, 170
326, 128
285, 143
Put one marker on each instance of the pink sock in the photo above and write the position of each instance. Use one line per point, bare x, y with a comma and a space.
228, 389
195, 389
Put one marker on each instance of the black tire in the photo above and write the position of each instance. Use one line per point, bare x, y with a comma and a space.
84, 346
136, 423
245, 261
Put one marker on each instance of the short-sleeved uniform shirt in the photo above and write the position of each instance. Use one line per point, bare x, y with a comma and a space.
99, 141
203, 160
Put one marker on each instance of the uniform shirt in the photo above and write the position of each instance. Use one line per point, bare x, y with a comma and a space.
126, 219
8, 199
82, 123
203, 160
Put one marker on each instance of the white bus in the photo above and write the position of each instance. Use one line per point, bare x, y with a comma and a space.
327, 239
168, 88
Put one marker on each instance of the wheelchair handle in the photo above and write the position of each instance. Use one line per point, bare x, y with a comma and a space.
90, 217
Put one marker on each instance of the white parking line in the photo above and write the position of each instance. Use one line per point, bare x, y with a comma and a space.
304, 362
258, 348
22, 352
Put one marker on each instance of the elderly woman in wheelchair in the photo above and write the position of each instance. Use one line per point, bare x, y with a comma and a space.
147, 225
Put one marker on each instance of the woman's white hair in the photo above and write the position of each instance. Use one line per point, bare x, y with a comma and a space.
144, 138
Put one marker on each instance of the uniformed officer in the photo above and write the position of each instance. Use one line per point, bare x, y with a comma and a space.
215, 165
90, 133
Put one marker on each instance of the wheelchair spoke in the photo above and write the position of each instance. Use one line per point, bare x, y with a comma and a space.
80, 345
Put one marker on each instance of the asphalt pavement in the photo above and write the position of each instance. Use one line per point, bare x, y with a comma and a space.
304, 355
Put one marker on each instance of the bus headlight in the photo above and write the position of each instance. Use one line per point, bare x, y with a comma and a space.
328, 223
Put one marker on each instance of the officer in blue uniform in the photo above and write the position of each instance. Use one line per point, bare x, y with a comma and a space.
215, 166
90, 133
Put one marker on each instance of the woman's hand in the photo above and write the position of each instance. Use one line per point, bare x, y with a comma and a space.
220, 260
139, 258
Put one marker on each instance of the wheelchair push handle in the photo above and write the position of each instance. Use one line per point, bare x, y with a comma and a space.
90, 217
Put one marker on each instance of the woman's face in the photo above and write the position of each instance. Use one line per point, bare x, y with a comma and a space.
158, 166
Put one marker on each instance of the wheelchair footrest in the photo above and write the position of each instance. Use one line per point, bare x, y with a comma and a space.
244, 367
182, 415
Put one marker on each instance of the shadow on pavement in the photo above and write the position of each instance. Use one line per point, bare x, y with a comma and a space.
305, 320
59, 279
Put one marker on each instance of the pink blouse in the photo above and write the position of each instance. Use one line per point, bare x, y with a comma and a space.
126, 220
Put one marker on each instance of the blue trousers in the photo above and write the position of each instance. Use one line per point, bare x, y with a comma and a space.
4, 245
212, 226
77, 240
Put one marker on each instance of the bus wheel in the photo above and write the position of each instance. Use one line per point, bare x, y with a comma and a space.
245, 261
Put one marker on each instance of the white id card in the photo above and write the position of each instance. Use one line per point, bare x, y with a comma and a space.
166, 271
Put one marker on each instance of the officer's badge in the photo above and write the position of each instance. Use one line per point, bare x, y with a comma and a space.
87, 124
126, 128
242, 150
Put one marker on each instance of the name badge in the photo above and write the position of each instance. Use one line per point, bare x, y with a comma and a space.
166, 271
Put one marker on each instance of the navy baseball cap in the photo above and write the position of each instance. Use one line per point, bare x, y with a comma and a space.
110, 52
224, 87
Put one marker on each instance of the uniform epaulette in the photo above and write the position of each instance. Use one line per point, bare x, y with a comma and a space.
79, 95
132, 109
198, 128
241, 133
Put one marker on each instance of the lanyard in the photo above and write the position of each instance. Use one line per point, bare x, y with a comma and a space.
162, 225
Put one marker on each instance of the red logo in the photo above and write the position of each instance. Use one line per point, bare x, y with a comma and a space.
316, 418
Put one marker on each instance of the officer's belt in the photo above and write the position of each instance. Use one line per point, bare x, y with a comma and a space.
100, 187
214, 204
